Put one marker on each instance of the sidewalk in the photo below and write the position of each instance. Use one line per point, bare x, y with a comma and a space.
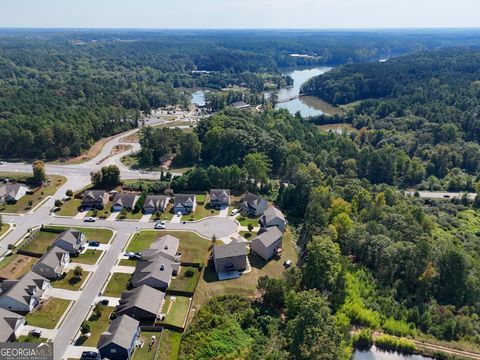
123, 269
85, 267
64, 294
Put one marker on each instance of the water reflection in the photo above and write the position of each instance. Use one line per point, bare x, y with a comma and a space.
376, 354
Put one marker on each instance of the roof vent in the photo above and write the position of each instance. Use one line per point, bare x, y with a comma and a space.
162, 267
166, 247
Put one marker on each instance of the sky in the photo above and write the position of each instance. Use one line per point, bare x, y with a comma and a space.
311, 14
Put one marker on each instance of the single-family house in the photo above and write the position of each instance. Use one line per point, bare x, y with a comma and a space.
12, 192
52, 263
118, 342
184, 203
10, 325
143, 303
230, 257
268, 243
94, 199
273, 217
253, 204
154, 203
70, 240
24, 294
124, 201
240, 105
156, 272
166, 246
219, 198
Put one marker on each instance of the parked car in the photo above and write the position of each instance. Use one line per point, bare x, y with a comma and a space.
89, 355
94, 243
89, 219
36, 333
161, 222
128, 254
159, 226
234, 212
135, 257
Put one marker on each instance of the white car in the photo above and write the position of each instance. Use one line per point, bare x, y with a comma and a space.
89, 219
234, 212
159, 226
128, 254
161, 222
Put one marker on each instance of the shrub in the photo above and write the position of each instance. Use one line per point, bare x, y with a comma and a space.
393, 343
363, 339
85, 327
58, 203
189, 273
398, 328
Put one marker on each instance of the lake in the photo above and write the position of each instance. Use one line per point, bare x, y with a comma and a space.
307, 105
198, 98
376, 354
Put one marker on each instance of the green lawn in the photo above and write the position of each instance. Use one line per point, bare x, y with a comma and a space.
31, 339
134, 216
103, 236
127, 262
248, 235
98, 326
182, 282
118, 283
69, 208
23, 205
70, 282
200, 212
39, 241
245, 221
169, 345
48, 314
102, 214
177, 312
192, 247
3, 229
89, 257
201, 198
146, 352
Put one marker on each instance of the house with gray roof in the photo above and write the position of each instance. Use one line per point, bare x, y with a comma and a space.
166, 246
156, 272
70, 240
10, 325
219, 198
94, 199
253, 204
230, 257
118, 342
143, 303
124, 201
268, 243
184, 203
273, 217
154, 203
52, 264
12, 192
24, 294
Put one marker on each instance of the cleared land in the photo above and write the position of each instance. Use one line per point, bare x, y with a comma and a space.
15, 265
47, 314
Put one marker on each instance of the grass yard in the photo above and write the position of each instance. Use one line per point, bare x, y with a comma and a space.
70, 281
101, 214
192, 247
133, 216
248, 235
15, 265
31, 339
247, 220
3, 229
170, 345
176, 311
118, 283
146, 352
23, 205
69, 208
209, 285
48, 314
98, 326
201, 198
200, 212
89, 257
127, 262
103, 236
39, 241
185, 283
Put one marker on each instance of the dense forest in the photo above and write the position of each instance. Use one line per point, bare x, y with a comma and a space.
63, 90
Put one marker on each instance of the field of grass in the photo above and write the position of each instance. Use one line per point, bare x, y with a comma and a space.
134, 216
209, 285
39, 242
192, 247
176, 311
146, 352
23, 205
48, 314
127, 262
70, 281
169, 345
98, 326
118, 283
89, 257
185, 283
69, 208
3, 229
15, 265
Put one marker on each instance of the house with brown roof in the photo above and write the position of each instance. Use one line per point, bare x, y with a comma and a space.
124, 201
94, 199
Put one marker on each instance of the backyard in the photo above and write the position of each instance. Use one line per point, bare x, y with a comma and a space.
15, 265
98, 325
186, 281
192, 247
47, 314
176, 309
146, 352
70, 281
118, 283
29, 201
169, 345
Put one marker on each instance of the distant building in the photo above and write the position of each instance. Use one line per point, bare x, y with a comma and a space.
184, 203
154, 203
23, 295
10, 325
142, 303
273, 217
230, 257
94, 199
253, 204
240, 105
12, 192
124, 201
268, 243
52, 264
118, 342
219, 198
71, 240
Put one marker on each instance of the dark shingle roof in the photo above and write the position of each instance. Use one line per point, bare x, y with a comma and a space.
126, 200
268, 237
120, 332
143, 297
229, 250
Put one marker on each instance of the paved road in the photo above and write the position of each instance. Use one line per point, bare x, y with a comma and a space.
441, 194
